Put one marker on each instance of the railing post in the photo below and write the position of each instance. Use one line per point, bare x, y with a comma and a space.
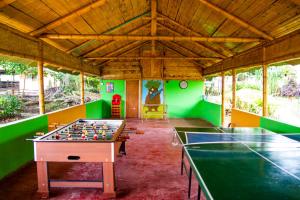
223, 98
233, 88
41, 79
82, 87
265, 86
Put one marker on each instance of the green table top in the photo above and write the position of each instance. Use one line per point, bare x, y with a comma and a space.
247, 171
180, 131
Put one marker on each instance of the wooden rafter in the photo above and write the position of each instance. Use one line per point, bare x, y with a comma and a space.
119, 50
280, 49
237, 20
176, 33
127, 51
4, 3
184, 49
68, 17
144, 38
99, 48
224, 50
150, 57
128, 22
180, 53
153, 28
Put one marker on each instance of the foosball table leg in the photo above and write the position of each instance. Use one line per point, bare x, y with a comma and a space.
43, 183
108, 180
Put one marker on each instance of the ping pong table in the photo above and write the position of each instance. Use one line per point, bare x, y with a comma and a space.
242, 163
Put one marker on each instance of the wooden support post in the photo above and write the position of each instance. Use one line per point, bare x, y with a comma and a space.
82, 86
233, 88
153, 30
108, 180
223, 98
41, 80
43, 182
265, 87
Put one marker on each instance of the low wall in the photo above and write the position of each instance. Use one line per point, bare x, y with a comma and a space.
93, 110
278, 127
241, 118
210, 112
67, 115
15, 150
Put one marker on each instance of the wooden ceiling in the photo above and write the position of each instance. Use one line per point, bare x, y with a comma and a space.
197, 34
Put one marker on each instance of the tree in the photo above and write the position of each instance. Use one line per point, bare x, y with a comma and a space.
13, 69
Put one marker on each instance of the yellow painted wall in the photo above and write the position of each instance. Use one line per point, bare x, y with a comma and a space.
241, 118
67, 115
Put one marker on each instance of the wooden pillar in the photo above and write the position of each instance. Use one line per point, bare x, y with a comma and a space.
265, 90
223, 98
43, 182
41, 80
233, 88
82, 86
265, 85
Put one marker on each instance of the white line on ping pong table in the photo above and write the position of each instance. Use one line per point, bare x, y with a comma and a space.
272, 162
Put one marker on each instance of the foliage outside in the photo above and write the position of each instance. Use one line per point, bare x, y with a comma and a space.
61, 90
283, 92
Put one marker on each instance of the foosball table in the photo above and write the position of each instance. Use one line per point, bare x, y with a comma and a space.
79, 141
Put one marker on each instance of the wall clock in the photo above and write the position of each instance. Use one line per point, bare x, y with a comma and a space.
183, 84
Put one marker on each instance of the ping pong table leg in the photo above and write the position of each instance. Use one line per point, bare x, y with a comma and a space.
182, 160
190, 183
199, 192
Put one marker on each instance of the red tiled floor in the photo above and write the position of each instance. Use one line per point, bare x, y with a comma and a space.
151, 169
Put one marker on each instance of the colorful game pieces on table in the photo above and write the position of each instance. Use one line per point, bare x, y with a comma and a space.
95, 136
57, 136
105, 127
103, 134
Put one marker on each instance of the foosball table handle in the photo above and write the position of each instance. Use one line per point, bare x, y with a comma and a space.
73, 157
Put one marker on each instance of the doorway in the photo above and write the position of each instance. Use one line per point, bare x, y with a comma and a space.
132, 98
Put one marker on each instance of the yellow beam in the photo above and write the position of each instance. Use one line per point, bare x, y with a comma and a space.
237, 20
223, 99
68, 17
82, 87
41, 80
146, 37
265, 87
233, 88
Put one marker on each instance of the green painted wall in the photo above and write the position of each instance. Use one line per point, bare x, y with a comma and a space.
119, 88
210, 112
183, 103
278, 127
94, 110
15, 150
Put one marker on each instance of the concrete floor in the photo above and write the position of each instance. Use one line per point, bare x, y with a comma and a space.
151, 169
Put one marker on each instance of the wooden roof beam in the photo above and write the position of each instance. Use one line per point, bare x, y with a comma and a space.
225, 52
130, 21
184, 49
68, 17
199, 45
131, 45
278, 50
180, 53
99, 48
4, 3
237, 20
21, 45
150, 57
145, 37
153, 28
